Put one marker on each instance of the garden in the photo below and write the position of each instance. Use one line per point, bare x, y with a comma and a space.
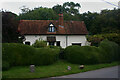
52, 61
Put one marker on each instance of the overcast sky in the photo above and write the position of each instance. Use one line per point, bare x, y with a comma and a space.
86, 5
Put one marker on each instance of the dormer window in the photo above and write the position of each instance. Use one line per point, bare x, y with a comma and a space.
51, 28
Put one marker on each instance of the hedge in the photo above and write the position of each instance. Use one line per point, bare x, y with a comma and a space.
109, 51
16, 54
106, 52
82, 55
45, 56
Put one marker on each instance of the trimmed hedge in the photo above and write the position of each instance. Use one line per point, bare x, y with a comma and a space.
82, 55
17, 54
45, 56
21, 55
5, 65
107, 52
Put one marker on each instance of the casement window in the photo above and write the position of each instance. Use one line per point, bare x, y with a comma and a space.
76, 44
51, 28
27, 43
58, 43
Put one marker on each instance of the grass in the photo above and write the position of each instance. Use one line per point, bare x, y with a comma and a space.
57, 69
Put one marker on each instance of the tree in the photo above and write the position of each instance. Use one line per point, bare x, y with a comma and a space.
58, 8
67, 7
71, 8
9, 27
107, 21
39, 14
24, 9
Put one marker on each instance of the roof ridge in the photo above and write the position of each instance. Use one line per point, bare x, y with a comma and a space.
38, 20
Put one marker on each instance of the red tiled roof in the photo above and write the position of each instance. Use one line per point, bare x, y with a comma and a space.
40, 27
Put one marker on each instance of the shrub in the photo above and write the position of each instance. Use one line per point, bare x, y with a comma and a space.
82, 54
109, 51
45, 56
55, 47
17, 54
20, 54
5, 65
106, 52
39, 44
62, 53
96, 39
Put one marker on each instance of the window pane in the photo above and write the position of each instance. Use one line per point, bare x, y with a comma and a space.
58, 43
53, 29
76, 44
49, 29
27, 43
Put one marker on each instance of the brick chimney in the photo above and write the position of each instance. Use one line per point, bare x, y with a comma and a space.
61, 28
61, 19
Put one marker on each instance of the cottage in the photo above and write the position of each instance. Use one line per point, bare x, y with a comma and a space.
55, 32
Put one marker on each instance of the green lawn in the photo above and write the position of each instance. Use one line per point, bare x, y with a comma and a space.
57, 69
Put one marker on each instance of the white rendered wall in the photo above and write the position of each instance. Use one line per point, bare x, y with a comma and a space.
33, 38
76, 39
62, 38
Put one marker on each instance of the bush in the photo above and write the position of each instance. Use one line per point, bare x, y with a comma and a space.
82, 54
96, 39
17, 54
40, 44
20, 55
5, 65
45, 56
106, 52
109, 51
62, 53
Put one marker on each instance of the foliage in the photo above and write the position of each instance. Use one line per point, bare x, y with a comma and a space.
20, 55
39, 14
71, 7
9, 27
45, 56
17, 54
82, 55
39, 44
67, 7
109, 51
106, 52
62, 53
96, 39
58, 9
5, 65
106, 21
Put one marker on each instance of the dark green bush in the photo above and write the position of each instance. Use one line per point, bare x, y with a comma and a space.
62, 53
82, 54
96, 39
40, 44
109, 51
45, 56
17, 54
20, 54
106, 52
5, 65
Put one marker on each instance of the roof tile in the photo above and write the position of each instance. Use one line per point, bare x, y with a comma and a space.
40, 27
